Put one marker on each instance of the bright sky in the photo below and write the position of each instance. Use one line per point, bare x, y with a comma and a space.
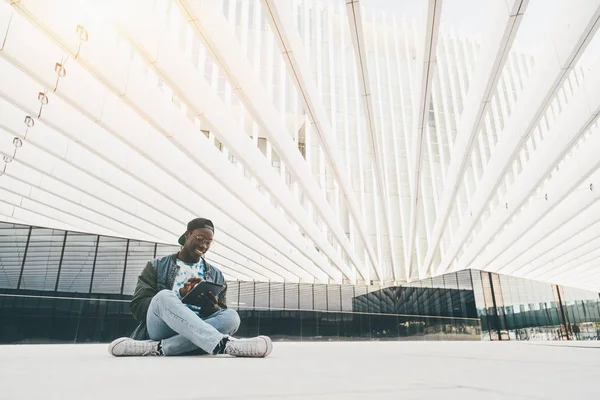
472, 18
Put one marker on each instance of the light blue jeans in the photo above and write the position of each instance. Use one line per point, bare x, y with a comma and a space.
182, 331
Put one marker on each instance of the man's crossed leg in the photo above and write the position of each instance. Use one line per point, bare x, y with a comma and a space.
174, 329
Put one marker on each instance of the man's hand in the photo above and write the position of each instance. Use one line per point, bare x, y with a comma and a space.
189, 285
209, 304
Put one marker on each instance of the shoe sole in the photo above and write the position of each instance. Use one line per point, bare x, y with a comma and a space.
269, 344
114, 344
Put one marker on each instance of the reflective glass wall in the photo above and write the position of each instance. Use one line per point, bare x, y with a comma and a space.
513, 308
450, 295
38, 318
33, 258
582, 311
75, 287
58, 286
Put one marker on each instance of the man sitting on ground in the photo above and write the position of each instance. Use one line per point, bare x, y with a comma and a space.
169, 327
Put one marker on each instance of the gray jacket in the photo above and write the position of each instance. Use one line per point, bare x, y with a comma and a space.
159, 274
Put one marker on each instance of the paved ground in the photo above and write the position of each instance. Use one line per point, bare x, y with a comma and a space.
358, 370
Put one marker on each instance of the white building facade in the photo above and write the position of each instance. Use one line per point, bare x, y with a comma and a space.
329, 142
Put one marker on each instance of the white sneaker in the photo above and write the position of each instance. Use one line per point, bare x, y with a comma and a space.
129, 347
259, 346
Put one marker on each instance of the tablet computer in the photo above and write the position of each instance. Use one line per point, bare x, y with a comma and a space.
194, 298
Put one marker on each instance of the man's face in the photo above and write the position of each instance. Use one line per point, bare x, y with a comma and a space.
198, 241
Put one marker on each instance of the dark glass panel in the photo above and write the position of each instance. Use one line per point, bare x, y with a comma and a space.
306, 297
138, 255
13, 239
78, 263
42, 259
266, 292
291, 298
110, 262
